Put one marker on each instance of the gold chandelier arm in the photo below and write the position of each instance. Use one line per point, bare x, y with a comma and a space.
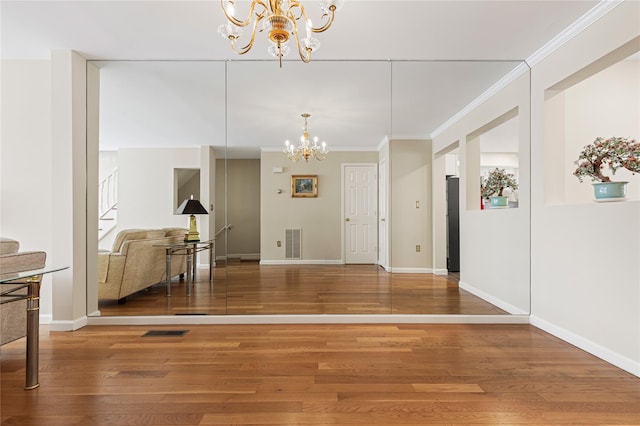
328, 23
275, 6
249, 45
247, 21
296, 5
303, 14
305, 53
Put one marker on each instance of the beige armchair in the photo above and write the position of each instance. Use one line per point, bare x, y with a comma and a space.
13, 314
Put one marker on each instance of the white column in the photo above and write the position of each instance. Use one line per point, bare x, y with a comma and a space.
68, 189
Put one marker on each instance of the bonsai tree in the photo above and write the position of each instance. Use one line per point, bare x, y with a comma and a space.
614, 152
496, 182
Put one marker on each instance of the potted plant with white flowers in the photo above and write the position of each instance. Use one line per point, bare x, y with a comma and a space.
494, 185
613, 153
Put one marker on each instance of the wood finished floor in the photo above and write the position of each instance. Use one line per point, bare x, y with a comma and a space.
247, 288
315, 375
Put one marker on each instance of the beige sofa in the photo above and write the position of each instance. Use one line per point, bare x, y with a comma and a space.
13, 315
135, 262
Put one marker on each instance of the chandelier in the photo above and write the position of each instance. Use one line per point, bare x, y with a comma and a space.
280, 21
306, 149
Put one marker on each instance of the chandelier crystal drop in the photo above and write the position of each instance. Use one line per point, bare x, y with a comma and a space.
280, 20
306, 149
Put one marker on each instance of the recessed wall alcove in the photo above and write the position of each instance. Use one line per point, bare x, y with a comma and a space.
494, 145
600, 100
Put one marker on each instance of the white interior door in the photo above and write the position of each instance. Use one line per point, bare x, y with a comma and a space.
360, 213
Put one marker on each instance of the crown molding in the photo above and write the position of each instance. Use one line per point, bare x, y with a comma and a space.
519, 70
593, 15
573, 30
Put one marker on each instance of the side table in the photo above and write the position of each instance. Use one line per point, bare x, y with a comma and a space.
30, 279
189, 249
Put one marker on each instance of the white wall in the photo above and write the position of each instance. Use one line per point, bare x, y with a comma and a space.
69, 188
585, 280
494, 244
146, 186
451, 166
504, 160
107, 164
607, 104
25, 161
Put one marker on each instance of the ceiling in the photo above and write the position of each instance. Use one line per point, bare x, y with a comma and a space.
397, 69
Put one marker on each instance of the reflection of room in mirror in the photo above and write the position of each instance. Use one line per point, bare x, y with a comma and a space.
499, 148
188, 116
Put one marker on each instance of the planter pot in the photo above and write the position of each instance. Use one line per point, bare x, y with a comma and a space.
499, 202
609, 191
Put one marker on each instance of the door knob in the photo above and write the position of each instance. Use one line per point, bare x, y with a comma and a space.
347, 219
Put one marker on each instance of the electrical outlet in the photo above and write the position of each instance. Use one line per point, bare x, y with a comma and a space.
279, 243
418, 248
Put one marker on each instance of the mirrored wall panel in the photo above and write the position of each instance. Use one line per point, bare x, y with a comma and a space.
316, 186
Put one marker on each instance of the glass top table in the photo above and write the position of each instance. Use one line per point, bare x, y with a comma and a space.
10, 283
13, 276
190, 250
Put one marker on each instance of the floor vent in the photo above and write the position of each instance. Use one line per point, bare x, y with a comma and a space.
292, 243
176, 333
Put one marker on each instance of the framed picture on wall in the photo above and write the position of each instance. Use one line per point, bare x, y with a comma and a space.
304, 186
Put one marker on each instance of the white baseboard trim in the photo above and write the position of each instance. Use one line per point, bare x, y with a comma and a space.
411, 270
45, 319
587, 345
301, 262
310, 319
513, 310
68, 325
440, 272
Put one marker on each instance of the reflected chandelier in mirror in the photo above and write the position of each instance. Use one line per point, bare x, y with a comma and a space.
306, 149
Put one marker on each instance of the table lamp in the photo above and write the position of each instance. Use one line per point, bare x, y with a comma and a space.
191, 207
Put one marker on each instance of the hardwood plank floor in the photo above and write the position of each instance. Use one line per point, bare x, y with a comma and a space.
409, 374
247, 288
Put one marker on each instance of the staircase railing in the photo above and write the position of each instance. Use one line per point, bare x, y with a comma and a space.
228, 226
108, 194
